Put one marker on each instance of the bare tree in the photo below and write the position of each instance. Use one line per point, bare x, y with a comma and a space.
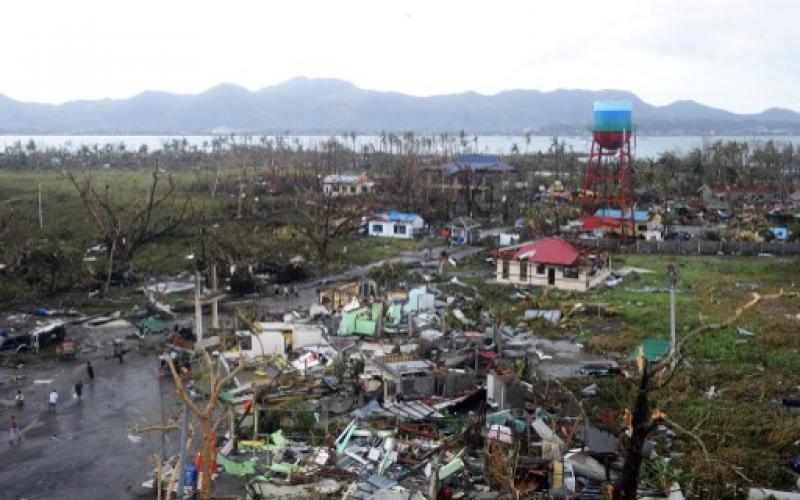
323, 218
205, 414
124, 230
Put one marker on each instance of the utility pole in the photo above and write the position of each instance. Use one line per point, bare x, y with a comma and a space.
215, 302
182, 454
673, 279
198, 309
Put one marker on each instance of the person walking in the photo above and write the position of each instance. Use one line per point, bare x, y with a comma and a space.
79, 390
19, 399
294, 290
90, 371
162, 367
14, 436
53, 400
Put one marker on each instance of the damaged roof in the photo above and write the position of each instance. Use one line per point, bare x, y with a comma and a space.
477, 163
394, 216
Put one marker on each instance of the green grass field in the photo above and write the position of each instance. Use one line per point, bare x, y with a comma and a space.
260, 237
749, 434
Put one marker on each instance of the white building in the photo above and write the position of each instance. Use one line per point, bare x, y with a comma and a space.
277, 338
346, 185
395, 225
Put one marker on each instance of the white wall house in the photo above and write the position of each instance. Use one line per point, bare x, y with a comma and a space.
395, 225
551, 262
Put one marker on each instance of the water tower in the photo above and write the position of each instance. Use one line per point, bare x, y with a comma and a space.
608, 185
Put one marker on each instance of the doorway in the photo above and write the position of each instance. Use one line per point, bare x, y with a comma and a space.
551, 275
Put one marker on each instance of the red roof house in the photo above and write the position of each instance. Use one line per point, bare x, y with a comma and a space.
551, 262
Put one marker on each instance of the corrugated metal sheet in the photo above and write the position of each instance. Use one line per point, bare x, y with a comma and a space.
547, 251
615, 213
414, 410
394, 216
477, 163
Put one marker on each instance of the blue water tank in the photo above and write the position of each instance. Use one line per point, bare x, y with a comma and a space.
612, 116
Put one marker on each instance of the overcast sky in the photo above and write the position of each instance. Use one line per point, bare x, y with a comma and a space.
742, 55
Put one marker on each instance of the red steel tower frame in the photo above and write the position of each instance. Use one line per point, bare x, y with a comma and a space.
609, 181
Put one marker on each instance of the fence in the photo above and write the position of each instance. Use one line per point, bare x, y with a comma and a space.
697, 247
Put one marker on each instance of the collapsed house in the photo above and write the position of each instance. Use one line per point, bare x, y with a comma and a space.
647, 226
348, 294
462, 231
450, 405
553, 263
276, 338
475, 178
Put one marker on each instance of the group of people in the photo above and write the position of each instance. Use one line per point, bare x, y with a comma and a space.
287, 291
14, 434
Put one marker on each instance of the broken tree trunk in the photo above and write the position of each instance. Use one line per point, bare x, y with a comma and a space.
204, 415
641, 425
642, 421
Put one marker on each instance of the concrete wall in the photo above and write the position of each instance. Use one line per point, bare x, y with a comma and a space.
303, 335
388, 229
418, 387
272, 342
458, 382
698, 247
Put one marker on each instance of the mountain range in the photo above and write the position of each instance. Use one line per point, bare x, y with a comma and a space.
324, 106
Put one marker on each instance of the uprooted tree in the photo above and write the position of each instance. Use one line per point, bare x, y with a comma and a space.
205, 414
643, 421
124, 228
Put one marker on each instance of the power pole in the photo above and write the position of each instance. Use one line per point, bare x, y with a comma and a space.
182, 454
198, 309
215, 303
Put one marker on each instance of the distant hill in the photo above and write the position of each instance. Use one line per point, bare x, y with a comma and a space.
322, 106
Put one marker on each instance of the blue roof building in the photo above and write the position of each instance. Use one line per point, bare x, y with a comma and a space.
477, 163
780, 233
614, 213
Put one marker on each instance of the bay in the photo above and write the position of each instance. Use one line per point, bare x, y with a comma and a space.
644, 146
